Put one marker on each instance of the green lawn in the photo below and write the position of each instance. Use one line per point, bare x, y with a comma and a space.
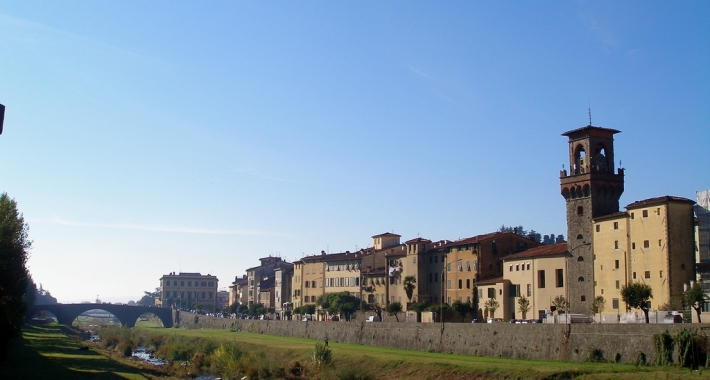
393, 363
45, 352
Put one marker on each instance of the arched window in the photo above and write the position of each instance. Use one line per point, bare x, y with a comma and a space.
580, 237
580, 279
580, 258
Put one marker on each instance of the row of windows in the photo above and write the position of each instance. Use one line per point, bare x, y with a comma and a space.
189, 283
460, 283
188, 295
519, 266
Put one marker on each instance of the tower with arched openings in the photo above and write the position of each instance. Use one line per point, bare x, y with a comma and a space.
591, 189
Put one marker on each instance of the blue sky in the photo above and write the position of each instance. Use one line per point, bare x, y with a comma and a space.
143, 138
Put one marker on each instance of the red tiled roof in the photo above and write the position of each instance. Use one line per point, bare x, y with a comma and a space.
545, 250
614, 215
656, 200
418, 240
493, 280
387, 234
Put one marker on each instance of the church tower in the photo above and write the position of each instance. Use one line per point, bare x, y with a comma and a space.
591, 189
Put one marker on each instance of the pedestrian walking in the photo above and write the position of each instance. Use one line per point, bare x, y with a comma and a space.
326, 341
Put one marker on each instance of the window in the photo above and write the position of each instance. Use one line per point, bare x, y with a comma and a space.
511, 267
617, 284
460, 283
598, 228
308, 271
646, 244
541, 279
494, 248
659, 242
448, 267
616, 264
468, 265
616, 244
580, 237
468, 283
182, 283
515, 290
527, 266
529, 290
517, 267
460, 266
204, 283
308, 284
580, 279
580, 258
602, 290
615, 303
645, 213
559, 274
633, 245
189, 283
660, 274
175, 282
580, 210
448, 284
616, 225
633, 275
491, 293
582, 298
632, 215
647, 274
210, 283
203, 295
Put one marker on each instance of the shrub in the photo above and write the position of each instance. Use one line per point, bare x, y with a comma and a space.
692, 348
595, 355
640, 359
125, 347
663, 345
322, 355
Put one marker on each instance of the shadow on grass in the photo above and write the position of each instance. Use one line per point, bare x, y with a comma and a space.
45, 352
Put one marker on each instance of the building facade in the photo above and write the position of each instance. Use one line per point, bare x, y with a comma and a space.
188, 291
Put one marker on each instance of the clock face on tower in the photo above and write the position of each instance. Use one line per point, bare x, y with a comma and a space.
600, 162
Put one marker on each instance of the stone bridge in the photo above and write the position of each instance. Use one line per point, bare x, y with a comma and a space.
67, 313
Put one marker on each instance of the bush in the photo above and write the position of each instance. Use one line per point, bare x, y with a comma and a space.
640, 359
663, 345
125, 347
595, 355
692, 348
322, 355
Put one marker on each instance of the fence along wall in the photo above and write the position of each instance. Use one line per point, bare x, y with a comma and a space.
522, 341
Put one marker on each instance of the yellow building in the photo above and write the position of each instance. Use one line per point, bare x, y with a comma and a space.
537, 274
188, 290
652, 242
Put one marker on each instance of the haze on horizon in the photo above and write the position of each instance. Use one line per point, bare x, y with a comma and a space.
143, 138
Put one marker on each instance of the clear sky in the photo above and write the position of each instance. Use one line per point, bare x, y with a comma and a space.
145, 137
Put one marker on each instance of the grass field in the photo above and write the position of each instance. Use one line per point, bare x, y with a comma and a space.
45, 352
391, 363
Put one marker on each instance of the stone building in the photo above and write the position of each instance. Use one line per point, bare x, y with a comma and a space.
591, 190
188, 290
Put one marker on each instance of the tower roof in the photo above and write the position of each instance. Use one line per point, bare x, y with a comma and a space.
590, 130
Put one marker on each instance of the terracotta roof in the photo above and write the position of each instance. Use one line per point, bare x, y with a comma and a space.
397, 250
418, 240
387, 234
614, 215
545, 250
657, 200
493, 280
590, 127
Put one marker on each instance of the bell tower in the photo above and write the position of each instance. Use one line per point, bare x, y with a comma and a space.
591, 189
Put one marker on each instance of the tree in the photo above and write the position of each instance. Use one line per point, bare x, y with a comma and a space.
598, 305
523, 305
461, 308
309, 309
636, 295
492, 305
695, 298
560, 303
409, 286
14, 251
394, 308
419, 307
341, 304
148, 298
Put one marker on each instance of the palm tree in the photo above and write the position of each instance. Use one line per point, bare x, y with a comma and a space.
409, 286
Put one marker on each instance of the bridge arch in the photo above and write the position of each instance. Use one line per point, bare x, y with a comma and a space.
127, 315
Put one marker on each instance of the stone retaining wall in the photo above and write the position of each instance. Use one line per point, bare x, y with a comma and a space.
524, 341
